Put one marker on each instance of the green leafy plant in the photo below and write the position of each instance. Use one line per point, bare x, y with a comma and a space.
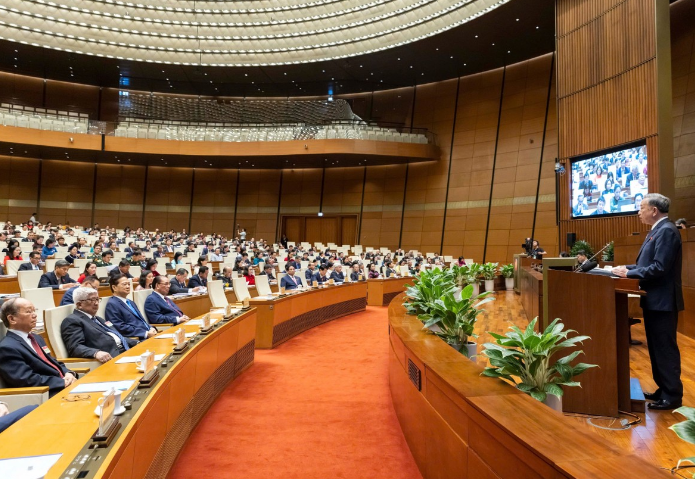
507, 270
608, 253
582, 245
686, 431
459, 275
524, 358
427, 287
456, 318
489, 270
473, 273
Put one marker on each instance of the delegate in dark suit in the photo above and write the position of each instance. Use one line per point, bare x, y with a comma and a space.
311, 275
291, 282
587, 265
177, 287
658, 269
83, 337
338, 277
160, 311
28, 267
20, 365
50, 280
125, 320
14, 416
196, 281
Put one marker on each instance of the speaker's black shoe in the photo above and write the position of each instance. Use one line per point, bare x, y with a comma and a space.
634, 342
664, 405
652, 396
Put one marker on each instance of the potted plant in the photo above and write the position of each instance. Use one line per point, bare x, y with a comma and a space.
608, 253
582, 245
459, 276
489, 270
472, 274
507, 271
686, 431
427, 287
456, 319
525, 359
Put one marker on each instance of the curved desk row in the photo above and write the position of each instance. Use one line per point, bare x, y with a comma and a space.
460, 424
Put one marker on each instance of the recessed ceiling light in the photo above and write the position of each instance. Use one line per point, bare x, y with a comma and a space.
476, 36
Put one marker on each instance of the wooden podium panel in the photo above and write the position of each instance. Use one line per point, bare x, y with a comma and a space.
595, 306
381, 291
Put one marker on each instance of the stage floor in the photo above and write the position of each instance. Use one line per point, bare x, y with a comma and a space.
651, 439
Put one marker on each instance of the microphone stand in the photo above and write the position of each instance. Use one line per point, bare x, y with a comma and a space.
599, 251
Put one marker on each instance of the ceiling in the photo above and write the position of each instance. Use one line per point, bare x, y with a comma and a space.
516, 31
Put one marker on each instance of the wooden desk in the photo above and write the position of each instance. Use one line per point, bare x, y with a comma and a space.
283, 318
531, 290
151, 436
488, 428
9, 285
381, 291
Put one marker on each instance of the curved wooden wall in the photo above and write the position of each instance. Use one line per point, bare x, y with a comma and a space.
460, 424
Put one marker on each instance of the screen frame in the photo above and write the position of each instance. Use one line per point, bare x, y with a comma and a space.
588, 156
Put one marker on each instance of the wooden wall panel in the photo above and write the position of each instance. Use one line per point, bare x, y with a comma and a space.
66, 192
214, 195
342, 190
168, 201
119, 196
258, 202
383, 206
18, 188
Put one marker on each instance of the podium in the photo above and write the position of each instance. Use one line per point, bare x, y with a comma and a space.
597, 306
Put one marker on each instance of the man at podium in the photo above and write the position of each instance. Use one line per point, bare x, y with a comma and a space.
658, 269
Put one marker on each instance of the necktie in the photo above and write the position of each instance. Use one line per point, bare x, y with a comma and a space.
136, 312
173, 306
99, 324
294, 279
42, 356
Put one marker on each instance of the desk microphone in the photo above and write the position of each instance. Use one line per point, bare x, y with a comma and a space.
579, 267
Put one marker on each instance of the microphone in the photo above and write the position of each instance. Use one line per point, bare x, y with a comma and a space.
579, 267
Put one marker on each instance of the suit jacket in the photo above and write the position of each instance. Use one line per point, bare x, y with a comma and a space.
83, 338
338, 277
355, 276
158, 310
287, 282
659, 269
123, 319
67, 297
28, 267
588, 265
51, 280
20, 366
177, 287
196, 281
322, 279
310, 275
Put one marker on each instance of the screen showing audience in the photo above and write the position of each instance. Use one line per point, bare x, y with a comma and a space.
609, 183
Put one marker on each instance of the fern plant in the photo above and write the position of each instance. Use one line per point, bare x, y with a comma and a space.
507, 270
582, 245
524, 359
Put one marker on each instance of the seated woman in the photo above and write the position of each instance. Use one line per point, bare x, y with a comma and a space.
151, 266
145, 281
461, 261
73, 254
90, 269
14, 253
177, 261
373, 272
250, 278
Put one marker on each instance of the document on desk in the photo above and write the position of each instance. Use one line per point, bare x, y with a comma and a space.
170, 336
31, 467
199, 322
102, 387
135, 359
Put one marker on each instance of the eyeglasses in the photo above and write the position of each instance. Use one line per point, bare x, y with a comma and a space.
77, 397
93, 300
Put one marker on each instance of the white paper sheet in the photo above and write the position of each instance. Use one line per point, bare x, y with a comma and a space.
102, 387
199, 322
134, 359
32, 467
170, 336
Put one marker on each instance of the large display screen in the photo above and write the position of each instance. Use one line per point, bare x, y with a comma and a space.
610, 182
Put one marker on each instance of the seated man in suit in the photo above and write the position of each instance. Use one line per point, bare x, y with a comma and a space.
310, 273
88, 336
105, 259
25, 360
290, 281
87, 282
337, 275
584, 263
200, 279
33, 264
138, 258
8, 418
268, 270
123, 268
322, 276
356, 273
160, 309
123, 313
226, 276
178, 284
58, 278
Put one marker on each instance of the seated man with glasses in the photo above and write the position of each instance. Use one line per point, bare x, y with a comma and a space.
87, 282
25, 360
86, 335
123, 313
159, 308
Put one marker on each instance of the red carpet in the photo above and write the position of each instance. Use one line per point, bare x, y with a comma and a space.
318, 406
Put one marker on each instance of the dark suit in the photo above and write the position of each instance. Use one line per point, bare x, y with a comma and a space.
196, 281
587, 265
50, 280
158, 311
176, 287
310, 275
67, 297
322, 279
20, 366
355, 276
14, 416
124, 320
83, 338
658, 269
287, 282
227, 282
28, 267
338, 277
